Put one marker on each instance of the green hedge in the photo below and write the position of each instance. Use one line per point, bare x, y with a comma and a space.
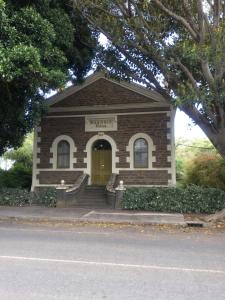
192, 199
46, 196
22, 197
18, 177
15, 197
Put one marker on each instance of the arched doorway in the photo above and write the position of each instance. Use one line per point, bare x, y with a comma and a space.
101, 162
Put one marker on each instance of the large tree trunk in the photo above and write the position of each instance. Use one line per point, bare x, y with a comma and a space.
215, 135
217, 138
218, 141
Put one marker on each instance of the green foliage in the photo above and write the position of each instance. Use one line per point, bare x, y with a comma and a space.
179, 169
199, 163
15, 197
24, 154
22, 197
192, 199
188, 150
20, 174
17, 177
38, 42
46, 196
206, 170
175, 48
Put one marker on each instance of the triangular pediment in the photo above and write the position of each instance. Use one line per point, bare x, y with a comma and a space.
99, 90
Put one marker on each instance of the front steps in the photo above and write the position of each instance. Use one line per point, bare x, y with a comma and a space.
91, 197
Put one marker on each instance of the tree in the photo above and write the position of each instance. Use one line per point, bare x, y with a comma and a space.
206, 170
20, 174
175, 47
43, 44
189, 151
24, 154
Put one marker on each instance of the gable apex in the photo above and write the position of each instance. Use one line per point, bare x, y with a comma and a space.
133, 87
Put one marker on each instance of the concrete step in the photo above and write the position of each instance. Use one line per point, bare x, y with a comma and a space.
92, 197
84, 197
95, 186
87, 194
93, 194
88, 203
91, 201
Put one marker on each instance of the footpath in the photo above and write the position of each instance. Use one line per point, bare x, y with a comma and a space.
38, 214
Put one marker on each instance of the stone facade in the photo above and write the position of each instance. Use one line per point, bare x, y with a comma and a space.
139, 114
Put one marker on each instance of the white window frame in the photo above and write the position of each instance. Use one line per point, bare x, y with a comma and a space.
54, 150
151, 148
59, 161
147, 162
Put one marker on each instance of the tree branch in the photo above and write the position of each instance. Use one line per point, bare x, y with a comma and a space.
188, 74
201, 21
216, 10
178, 18
189, 15
206, 72
200, 120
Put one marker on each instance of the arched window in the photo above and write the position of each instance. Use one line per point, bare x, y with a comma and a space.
63, 154
140, 153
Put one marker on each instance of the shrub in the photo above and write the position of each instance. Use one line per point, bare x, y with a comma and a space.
192, 199
15, 197
17, 177
206, 170
22, 197
46, 196
179, 169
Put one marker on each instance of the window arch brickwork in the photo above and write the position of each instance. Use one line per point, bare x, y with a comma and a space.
151, 148
54, 151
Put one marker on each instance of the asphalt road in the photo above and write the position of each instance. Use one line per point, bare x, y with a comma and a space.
110, 263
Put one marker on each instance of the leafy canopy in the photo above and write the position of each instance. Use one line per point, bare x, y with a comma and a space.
24, 154
20, 173
43, 44
175, 47
190, 150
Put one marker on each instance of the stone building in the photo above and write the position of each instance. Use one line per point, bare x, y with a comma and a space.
105, 127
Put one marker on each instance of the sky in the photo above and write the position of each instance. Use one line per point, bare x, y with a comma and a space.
185, 128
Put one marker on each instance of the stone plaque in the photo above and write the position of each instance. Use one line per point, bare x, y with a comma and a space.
101, 123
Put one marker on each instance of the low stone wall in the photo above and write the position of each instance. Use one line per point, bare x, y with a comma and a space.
67, 196
110, 190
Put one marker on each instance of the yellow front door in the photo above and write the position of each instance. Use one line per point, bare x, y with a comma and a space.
101, 166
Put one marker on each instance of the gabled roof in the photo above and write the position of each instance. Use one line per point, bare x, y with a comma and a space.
154, 96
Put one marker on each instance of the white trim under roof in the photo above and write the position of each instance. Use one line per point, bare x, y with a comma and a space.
99, 75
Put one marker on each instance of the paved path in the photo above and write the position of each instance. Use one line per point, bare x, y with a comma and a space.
87, 215
110, 263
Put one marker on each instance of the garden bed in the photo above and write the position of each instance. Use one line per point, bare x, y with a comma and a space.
192, 199
23, 197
